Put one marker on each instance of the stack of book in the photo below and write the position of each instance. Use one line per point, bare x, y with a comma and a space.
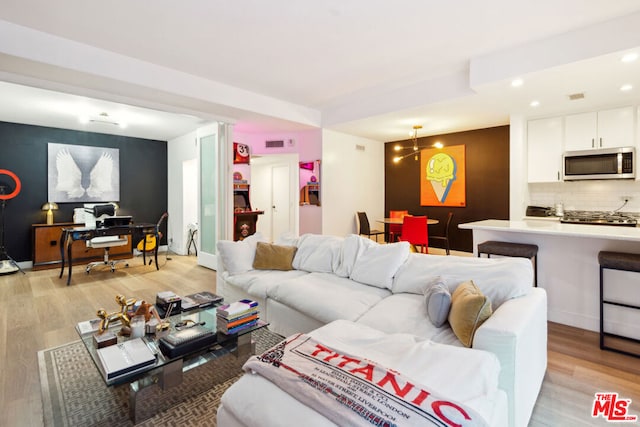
233, 318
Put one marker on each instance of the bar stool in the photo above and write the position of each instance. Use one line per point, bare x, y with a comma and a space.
520, 250
616, 261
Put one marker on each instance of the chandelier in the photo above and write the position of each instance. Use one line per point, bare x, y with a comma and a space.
414, 148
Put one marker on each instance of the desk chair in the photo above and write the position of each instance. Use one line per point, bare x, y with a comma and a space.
445, 238
416, 232
106, 242
395, 230
364, 229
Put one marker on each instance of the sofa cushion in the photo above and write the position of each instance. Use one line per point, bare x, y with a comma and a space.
499, 279
438, 302
317, 253
405, 313
237, 257
258, 282
327, 297
377, 264
469, 309
273, 257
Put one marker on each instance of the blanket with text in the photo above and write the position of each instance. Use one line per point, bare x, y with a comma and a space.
351, 390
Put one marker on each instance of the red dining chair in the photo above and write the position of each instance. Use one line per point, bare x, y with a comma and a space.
396, 229
415, 231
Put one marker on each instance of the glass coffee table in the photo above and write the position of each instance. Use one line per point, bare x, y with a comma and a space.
172, 380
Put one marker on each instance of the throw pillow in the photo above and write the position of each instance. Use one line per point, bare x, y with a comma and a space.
377, 264
273, 257
438, 301
469, 309
318, 253
237, 257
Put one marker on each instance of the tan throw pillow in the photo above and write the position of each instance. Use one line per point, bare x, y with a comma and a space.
469, 309
273, 257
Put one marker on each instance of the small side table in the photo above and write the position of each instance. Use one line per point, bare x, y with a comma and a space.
193, 230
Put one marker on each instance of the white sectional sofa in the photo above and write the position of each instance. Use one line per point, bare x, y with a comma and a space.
370, 289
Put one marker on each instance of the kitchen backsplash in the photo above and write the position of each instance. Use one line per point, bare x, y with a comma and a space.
587, 195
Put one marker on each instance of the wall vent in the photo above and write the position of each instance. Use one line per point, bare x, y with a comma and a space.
359, 147
575, 96
274, 144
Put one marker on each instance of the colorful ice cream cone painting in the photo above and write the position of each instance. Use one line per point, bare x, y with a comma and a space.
442, 180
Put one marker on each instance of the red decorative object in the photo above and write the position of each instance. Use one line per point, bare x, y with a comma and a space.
240, 153
237, 176
16, 190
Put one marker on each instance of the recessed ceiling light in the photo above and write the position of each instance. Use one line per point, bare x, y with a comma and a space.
626, 87
630, 57
438, 144
534, 103
517, 82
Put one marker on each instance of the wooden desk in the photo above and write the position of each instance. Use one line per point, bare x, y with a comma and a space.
46, 249
430, 221
73, 234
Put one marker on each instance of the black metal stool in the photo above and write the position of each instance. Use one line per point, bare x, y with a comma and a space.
616, 261
520, 250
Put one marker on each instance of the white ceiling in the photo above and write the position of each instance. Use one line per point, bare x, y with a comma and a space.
349, 60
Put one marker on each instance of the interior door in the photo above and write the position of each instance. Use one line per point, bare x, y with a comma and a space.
281, 200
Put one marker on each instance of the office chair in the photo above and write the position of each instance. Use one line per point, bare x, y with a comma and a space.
107, 242
363, 226
415, 231
445, 238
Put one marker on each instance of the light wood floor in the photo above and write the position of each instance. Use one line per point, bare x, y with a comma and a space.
39, 311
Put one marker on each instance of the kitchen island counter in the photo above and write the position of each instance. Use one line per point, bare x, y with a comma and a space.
568, 268
555, 227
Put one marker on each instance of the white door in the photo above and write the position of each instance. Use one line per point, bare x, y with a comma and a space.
274, 182
281, 200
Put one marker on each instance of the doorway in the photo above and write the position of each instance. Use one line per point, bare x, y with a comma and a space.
274, 189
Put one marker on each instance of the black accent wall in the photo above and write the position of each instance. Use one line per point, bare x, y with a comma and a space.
487, 193
23, 151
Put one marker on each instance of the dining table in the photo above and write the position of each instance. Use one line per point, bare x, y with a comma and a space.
399, 221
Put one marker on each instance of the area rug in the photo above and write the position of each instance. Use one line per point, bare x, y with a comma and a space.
74, 393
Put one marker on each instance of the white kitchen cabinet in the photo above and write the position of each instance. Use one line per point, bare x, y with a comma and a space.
601, 129
544, 149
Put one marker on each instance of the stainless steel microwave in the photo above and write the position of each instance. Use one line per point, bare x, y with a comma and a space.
603, 163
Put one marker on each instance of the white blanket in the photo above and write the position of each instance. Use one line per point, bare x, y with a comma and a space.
352, 390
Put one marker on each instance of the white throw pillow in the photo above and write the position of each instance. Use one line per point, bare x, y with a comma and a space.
287, 239
499, 279
318, 253
378, 264
352, 247
237, 257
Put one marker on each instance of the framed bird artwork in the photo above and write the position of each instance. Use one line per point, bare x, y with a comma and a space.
79, 173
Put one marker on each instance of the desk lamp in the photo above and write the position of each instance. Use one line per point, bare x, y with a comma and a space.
49, 207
